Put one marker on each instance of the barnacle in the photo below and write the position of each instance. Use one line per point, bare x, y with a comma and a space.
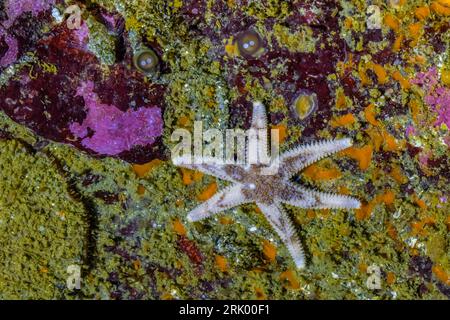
305, 104
249, 44
146, 61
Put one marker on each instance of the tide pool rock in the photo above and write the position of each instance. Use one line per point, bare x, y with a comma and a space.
64, 93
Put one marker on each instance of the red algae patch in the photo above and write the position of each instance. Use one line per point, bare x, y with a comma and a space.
63, 89
191, 249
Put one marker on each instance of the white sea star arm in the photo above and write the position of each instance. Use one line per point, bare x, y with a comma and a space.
227, 198
302, 156
306, 198
280, 221
257, 138
228, 172
259, 118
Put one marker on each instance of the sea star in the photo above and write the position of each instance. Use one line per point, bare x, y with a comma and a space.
251, 185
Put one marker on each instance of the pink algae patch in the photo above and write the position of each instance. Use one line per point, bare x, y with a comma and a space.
11, 54
438, 96
15, 8
440, 99
110, 131
410, 131
82, 33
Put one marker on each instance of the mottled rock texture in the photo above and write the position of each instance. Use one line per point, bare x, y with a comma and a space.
85, 137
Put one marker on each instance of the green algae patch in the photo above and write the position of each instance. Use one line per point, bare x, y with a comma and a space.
300, 41
41, 228
101, 43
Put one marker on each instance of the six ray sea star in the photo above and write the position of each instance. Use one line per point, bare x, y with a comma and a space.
251, 185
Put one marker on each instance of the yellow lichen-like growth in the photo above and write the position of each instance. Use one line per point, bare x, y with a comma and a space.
231, 48
300, 41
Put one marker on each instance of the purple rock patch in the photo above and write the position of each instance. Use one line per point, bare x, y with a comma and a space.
115, 131
18, 28
15, 9
9, 49
438, 97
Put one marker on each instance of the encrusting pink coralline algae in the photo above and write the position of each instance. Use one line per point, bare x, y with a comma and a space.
11, 54
438, 97
115, 131
14, 9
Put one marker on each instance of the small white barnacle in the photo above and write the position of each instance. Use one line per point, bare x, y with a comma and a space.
57, 15
373, 20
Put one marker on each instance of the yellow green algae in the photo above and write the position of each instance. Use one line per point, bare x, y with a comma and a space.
101, 43
44, 228
302, 41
